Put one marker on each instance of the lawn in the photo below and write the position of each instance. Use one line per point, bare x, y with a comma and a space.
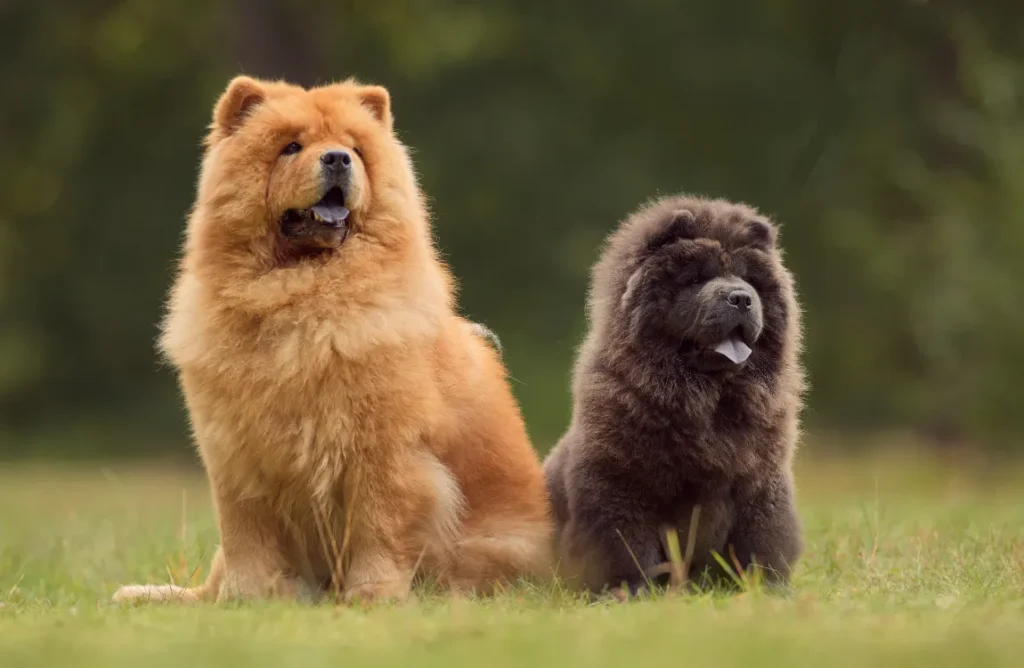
909, 562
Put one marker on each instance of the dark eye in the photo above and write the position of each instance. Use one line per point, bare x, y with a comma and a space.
358, 151
691, 276
291, 149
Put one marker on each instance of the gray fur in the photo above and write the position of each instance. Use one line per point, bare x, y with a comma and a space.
662, 424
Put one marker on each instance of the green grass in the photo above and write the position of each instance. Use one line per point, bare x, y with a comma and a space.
909, 562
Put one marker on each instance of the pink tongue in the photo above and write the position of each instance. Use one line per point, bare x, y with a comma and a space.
734, 349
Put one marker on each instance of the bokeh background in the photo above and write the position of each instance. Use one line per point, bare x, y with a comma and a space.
886, 136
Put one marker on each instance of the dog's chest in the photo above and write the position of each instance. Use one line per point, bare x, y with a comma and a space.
293, 412
272, 432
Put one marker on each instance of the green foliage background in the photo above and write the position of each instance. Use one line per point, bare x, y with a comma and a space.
887, 136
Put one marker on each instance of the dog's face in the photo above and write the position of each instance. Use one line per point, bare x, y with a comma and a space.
299, 171
707, 283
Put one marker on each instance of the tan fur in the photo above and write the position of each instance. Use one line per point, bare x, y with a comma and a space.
352, 426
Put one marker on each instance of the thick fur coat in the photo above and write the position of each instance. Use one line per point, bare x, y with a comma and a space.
687, 392
356, 432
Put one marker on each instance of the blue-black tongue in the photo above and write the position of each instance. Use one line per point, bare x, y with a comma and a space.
734, 349
331, 209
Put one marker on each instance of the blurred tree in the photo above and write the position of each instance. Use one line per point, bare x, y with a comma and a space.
886, 136
930, 225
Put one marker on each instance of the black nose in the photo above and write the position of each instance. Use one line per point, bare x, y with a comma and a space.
336, 160
740, 299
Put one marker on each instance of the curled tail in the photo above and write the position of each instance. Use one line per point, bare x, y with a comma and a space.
485, 561
485, 332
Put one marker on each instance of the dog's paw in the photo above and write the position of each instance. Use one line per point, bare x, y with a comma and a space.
378, 592
136, 594
238, 587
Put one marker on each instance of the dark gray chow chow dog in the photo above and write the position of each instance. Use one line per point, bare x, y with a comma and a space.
687, 392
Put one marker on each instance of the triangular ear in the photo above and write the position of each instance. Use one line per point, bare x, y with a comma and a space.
378, 101
681, 224
242, 96
761, 234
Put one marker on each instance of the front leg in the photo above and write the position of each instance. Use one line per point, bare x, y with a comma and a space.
394, 504
255, 553
767, 530
612, 536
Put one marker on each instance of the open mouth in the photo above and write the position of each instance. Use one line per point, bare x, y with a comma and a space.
733, 347
330, 211
323, 224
